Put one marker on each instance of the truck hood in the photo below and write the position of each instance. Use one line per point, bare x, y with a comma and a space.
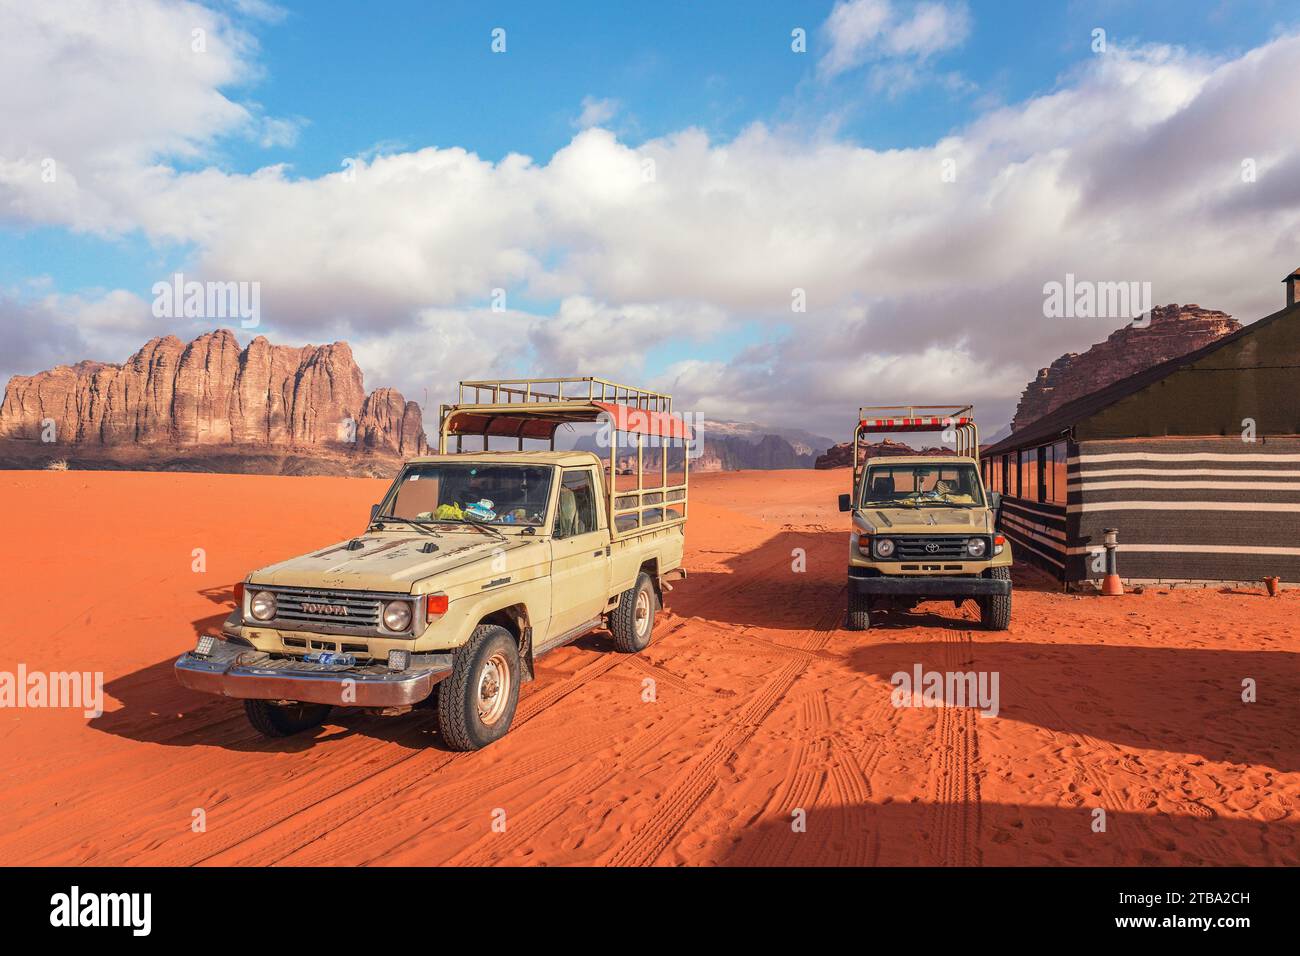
395, 561
929, 520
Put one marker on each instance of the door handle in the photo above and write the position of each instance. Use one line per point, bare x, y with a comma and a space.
597, 554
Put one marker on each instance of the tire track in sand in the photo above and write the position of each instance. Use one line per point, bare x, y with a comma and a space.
352, 790
954, 782
684, 795
494, 848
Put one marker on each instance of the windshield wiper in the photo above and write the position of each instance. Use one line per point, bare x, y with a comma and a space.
411, 521
483, 526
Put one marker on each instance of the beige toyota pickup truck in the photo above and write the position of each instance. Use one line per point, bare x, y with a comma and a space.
924, 528
471, 567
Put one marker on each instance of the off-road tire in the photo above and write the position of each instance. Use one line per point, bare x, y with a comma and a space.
464, 695
995, 610
859, 617
284, 720
633, 622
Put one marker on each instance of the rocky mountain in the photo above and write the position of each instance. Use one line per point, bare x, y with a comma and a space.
723, 453
804, 443
211, 394
1174, 330
841, 455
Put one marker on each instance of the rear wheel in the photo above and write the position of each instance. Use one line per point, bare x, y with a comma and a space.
995, 610
477, 702
859, 618
284, 720
633, 621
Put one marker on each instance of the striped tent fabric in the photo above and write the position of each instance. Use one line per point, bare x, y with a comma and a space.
1187, 509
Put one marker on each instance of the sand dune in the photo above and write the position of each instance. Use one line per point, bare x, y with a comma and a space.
766, 713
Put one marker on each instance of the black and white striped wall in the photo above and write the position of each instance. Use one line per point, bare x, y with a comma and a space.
1187, 509
1038, 531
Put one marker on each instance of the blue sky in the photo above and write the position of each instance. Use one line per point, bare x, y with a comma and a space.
305, 86
402, 74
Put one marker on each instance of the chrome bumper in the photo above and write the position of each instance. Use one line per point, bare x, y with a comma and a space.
232, 670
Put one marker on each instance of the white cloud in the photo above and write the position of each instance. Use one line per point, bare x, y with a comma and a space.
863, 31
918, 288
596, 112
102, 89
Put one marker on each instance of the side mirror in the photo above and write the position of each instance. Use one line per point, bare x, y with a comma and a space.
374, 512
995, 500
846, 503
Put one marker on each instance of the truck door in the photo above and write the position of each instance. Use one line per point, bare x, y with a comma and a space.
579, 553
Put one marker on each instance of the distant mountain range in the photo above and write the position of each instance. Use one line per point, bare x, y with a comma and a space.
209, 405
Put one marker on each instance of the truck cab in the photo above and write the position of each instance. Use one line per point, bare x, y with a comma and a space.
923, 526
472, 566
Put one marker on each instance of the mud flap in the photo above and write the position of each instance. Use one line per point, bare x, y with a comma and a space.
526, 656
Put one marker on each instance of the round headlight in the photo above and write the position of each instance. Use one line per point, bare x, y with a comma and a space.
884, 547
397, 615
976, 547
262, 606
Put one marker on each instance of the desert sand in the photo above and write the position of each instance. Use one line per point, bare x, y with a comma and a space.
770, 737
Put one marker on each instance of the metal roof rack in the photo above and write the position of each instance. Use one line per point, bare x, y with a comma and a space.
646, 495
507, 391
919, 418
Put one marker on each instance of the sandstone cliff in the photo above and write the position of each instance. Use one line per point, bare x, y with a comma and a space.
1174, 330
210, 393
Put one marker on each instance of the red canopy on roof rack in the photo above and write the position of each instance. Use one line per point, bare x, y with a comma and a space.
924, 423
642, 421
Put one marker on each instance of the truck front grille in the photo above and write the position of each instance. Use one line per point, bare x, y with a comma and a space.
923, 547
309, 610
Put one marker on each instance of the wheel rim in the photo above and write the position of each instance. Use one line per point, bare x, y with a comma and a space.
493, 689
641, 613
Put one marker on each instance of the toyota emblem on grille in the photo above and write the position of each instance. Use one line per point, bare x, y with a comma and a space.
335, 609
931, 548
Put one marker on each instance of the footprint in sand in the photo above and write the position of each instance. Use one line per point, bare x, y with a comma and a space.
1199, 810
1132, 765
1146, 798
1271, 812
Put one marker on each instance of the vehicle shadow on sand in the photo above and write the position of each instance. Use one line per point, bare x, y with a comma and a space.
155, 709
798, 576
1181, 700
995, 834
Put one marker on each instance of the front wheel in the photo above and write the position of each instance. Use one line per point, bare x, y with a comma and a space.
633, 621
995, 610
284, 720
859, 618
477, 702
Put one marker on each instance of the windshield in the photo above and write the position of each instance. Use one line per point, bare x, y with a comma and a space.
915, 486
467, 492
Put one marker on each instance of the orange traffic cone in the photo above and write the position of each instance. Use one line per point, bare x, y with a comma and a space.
1111, 585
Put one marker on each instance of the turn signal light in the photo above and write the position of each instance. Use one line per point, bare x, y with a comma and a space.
864, 543
435, 606
239, 594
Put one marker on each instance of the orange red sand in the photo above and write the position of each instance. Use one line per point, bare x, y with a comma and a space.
771, 738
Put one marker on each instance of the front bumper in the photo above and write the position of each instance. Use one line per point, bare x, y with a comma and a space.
918, 585
232, 670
